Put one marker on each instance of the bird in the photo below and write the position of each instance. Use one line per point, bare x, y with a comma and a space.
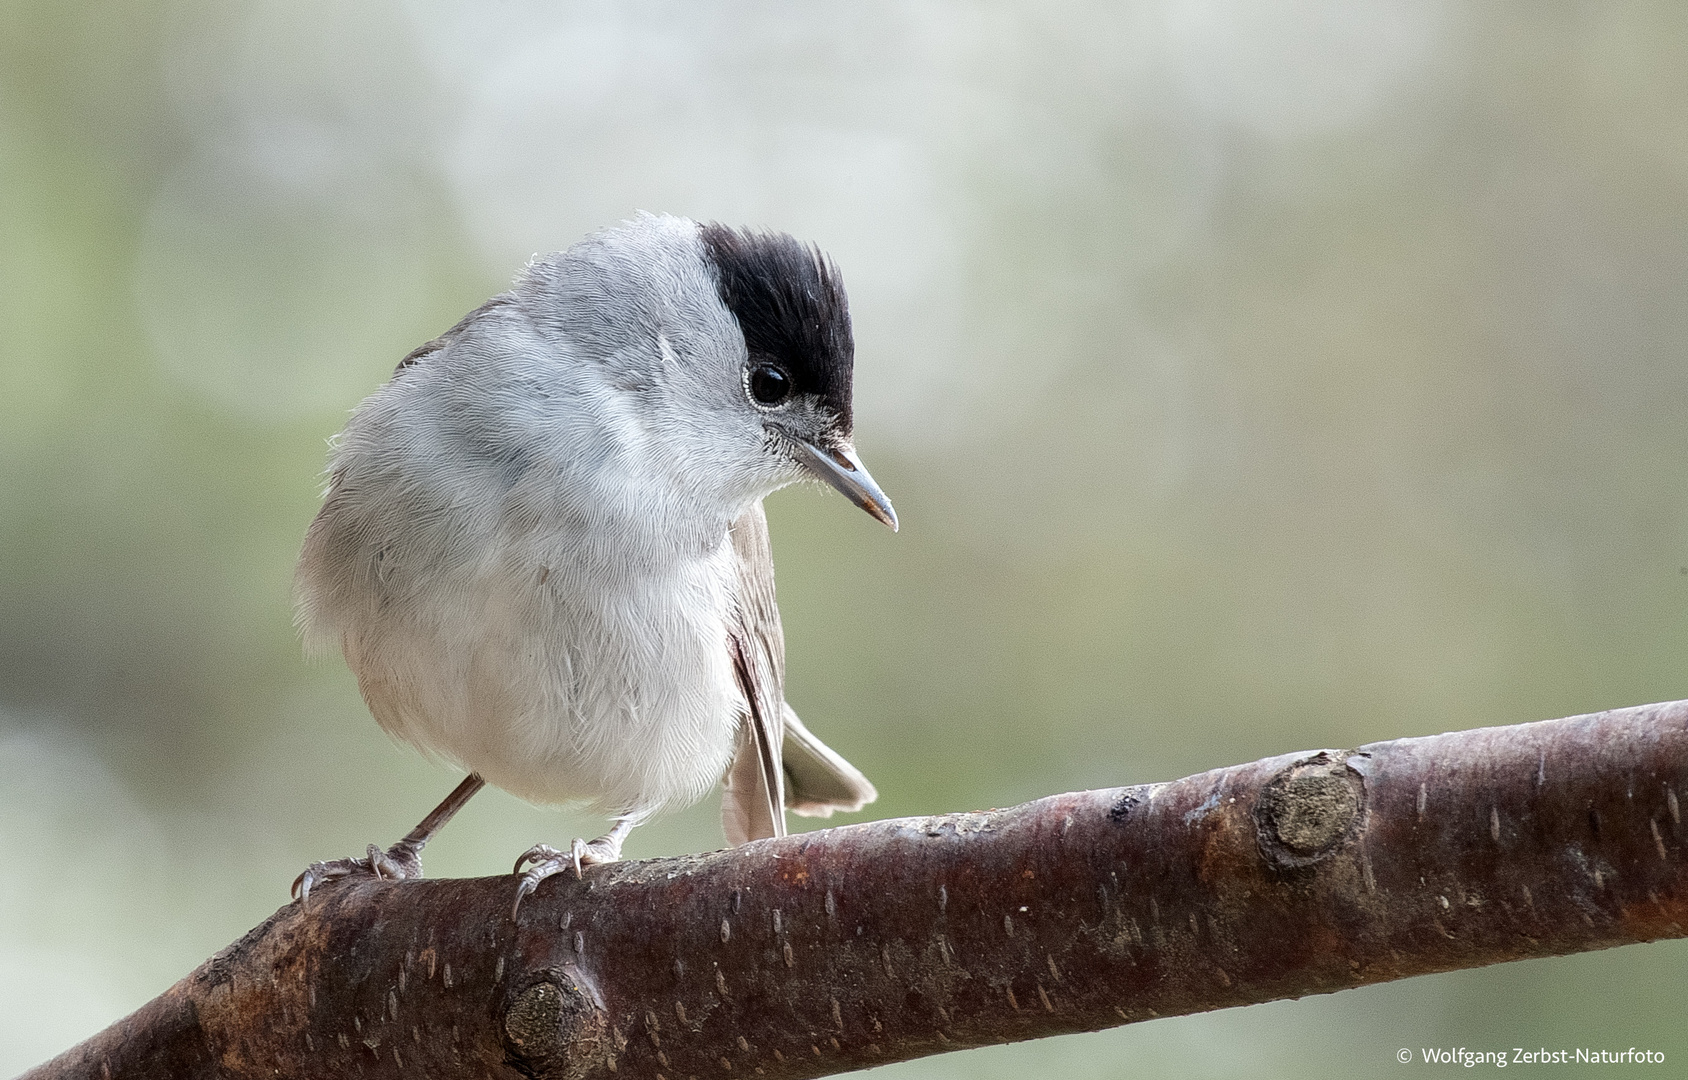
542, 549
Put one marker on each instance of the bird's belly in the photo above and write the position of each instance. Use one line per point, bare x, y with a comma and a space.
626, 702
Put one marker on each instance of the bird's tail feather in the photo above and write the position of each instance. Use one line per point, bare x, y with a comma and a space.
818, 781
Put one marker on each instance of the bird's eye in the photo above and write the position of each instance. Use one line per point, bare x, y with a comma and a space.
769, 385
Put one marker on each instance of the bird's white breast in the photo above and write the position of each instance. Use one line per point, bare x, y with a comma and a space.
558, 685
523, 584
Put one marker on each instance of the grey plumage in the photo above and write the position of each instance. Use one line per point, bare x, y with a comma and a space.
543, 552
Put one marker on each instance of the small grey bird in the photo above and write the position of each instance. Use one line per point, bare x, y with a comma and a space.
543, 553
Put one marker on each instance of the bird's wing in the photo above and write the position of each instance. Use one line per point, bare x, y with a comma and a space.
811, 778
752, 807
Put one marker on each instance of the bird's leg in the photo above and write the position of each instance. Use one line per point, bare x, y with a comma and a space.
546, 860
402, 860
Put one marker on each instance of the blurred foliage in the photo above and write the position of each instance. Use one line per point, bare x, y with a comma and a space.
1248, 376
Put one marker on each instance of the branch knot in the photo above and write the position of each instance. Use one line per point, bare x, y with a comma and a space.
1309, 811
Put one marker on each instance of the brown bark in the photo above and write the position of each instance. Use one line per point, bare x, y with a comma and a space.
834, 950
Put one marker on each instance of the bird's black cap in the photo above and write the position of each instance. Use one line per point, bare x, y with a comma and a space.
790, 304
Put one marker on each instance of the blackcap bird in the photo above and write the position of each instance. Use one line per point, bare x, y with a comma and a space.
542, 549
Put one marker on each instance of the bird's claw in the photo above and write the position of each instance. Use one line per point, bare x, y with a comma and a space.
543, 861
536, 854
397, 863
523, 890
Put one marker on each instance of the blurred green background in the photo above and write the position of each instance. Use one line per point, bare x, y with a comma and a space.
1249, 376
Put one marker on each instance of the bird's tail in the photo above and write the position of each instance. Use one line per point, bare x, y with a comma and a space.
817, 780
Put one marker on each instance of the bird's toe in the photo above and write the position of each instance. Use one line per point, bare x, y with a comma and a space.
543, 861
538, 853
400, 862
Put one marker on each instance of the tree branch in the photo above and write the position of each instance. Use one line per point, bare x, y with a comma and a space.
856, 946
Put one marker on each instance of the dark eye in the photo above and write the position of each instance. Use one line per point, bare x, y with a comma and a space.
769, 385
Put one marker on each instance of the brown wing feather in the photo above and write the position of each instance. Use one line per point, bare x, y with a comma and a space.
779, 762
753, 806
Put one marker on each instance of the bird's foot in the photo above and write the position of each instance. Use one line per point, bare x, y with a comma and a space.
397, 863
543, 860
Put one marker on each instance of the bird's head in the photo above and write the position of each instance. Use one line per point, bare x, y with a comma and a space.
730, 347
799, 355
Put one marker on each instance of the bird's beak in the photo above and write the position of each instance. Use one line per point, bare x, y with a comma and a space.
841, 468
